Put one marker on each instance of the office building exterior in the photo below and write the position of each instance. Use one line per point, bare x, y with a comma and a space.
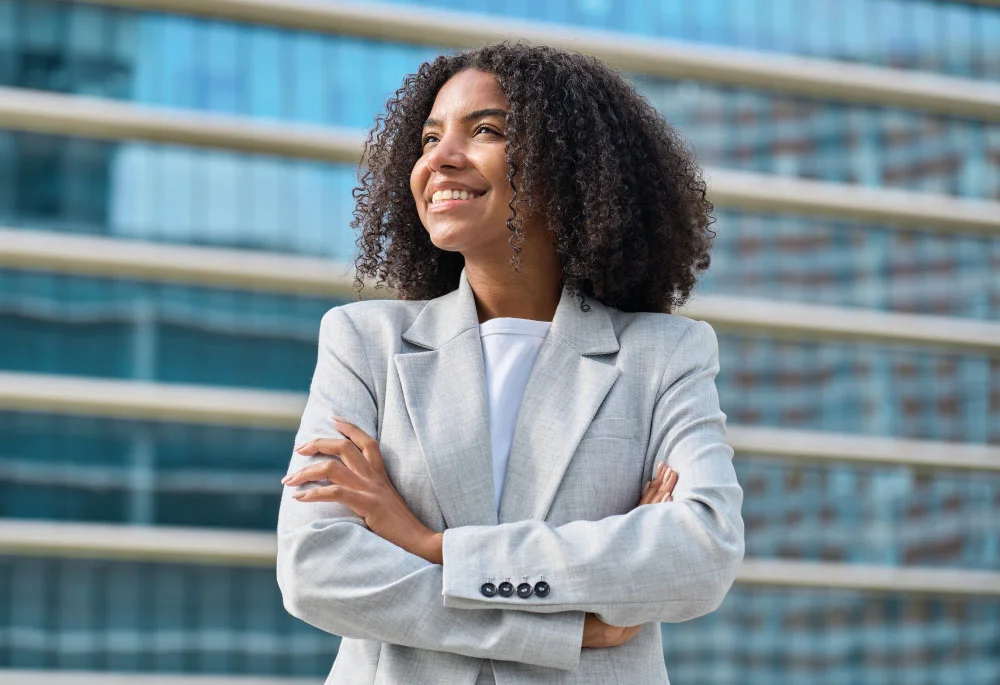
167, 250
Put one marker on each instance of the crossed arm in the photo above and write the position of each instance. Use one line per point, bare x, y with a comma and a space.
352, 559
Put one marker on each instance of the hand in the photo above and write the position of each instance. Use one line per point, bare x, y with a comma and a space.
660, 488
358, 480
596, 633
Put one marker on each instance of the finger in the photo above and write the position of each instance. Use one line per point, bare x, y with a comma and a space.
652, 486
366, 443
320, 446
328, 469
331, 493
337, 447
649, 495
668, 486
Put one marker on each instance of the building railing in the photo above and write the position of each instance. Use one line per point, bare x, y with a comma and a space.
240, 548
71, 115
271, 272
808, 77
175, 402
40, 677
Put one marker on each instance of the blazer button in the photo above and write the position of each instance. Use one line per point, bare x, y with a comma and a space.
524, 591
506, 589
542, 588
488, 589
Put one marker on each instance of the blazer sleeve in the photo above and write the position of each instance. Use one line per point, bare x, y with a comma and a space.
666, 562
338, 576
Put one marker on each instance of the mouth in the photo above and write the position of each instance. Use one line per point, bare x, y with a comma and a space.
443, 200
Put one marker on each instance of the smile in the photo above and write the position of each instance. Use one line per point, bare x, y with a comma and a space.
447, 199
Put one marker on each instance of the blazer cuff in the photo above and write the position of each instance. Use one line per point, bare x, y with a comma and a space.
470, 561
554, 635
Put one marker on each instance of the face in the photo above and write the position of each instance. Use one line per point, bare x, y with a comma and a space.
460, 183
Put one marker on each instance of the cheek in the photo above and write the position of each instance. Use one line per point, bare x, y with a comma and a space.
418, 181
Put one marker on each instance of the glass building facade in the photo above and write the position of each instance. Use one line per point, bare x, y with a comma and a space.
99, 614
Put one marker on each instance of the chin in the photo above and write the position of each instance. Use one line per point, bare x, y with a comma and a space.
451, 238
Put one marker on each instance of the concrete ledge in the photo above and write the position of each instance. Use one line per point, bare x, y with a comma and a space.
811, 77
70, 115
174, 402
238, 548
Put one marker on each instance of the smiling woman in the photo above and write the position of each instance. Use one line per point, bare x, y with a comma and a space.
518, 468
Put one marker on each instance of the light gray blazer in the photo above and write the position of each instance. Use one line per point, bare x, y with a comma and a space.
610, 395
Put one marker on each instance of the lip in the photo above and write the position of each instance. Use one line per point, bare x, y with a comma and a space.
445, 205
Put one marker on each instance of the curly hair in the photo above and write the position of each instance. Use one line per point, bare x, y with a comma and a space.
617, 185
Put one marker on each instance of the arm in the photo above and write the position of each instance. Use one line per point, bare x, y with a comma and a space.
670, 562
338, 576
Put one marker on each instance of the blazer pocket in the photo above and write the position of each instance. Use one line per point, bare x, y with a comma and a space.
611, 428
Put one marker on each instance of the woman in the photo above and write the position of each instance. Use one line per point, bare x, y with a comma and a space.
462, 506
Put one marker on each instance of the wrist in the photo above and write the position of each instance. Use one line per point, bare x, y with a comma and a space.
431, 547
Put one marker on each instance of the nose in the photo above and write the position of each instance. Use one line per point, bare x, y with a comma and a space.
449, 153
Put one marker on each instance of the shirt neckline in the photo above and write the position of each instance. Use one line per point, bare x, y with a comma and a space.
516, 326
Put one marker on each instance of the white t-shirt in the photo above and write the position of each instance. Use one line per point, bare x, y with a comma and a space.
510, 347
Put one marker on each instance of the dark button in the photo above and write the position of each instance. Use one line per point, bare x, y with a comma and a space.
542, 588
488, 589
524, 591
506, 589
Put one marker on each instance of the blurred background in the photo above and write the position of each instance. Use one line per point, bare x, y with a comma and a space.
175, 193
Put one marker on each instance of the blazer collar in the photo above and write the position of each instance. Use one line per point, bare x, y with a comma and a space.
445, 318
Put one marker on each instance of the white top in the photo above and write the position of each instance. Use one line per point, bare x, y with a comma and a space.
510, 347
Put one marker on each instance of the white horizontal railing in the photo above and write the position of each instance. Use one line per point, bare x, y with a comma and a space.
54, 113
170, 402
272, 272
241, 548
806, 445
238, 269
811, 77
40, 677
144, 400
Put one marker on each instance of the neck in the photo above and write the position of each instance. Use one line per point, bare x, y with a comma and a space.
532, 293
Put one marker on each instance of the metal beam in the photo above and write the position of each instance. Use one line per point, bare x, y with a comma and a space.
172, 402
58, 114
810, 77
244, 269
241, 548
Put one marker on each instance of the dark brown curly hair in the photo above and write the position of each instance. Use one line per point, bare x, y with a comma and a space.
619, 187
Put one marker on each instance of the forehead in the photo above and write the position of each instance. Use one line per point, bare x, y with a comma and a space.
468, 91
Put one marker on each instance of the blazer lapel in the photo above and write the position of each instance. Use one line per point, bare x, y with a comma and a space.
444, 389
564, 392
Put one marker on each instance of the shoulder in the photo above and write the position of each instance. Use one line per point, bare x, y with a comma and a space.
662, 334
374, 322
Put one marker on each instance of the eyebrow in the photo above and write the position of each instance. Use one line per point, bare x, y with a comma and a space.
479, 113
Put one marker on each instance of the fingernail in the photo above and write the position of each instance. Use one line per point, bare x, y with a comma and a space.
299, 495
301, 447
286, 479
339, 419
660, 469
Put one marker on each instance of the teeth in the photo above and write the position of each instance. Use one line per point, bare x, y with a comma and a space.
440, 195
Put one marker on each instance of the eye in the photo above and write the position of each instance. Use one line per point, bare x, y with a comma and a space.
488, 129
427, 138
